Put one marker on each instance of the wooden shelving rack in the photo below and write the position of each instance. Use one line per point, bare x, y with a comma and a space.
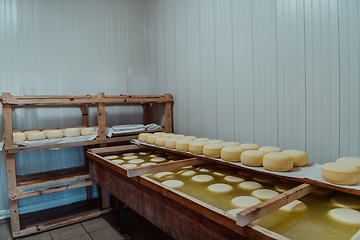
17, 185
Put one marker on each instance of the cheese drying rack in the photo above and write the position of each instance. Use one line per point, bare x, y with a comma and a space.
17, 185
143, 194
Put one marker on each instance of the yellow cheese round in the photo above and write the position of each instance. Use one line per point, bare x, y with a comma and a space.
158, 133
245, 201
202, 178
80, 126
300, 158
183, 145
171, 142
35, 136
231, 153
294, 206
110, 157
71, 132
117, 161
136, 161
253, 158
188, 138
129, 154
250, 185
201, 139
187, 173
177, 136
129, 157
19, 136
212, 150
87, 131
351, 160
33, 130
220, 188
340, 173
160, 141
345, 215
17, 130
173, 183
158, 159
227, 144
129, 165
53, 134
277, 161
249, 146
264, 194
197, 147
347, 202
268, 149
46, 130
215, 141
164, 174
234, 179
167, 134
150, 139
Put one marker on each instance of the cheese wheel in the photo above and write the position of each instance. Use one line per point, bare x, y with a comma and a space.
129, 165
253, 158
183, 145
233, 212
129, 154
222, 172
173, 183
80, 126
212, 150
187, 173
167, 134
249, 146
344, 215
177, 136
347, 202
19, 136
150, 139
164, 174
110, 157
197, 147
268, 149
117, 161
250, 185
231, 153
18, 130
158, 133
350, 160
264, 194
158, 159
300, 158
215, 141
46, 130
136, 161
201, 139
202, 178
33, 130
71, 132
148, 164
226, 144
245, 201
340, 173
160, 141
188, 138
53, 134
294, 206
171, 142
35, 136
234, 179
87, 131
129, 157
220, 188
143, 153
277, 161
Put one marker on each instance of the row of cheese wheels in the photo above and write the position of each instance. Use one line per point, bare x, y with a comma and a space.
38, 134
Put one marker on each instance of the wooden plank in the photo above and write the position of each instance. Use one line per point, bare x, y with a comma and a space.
16, 196
117, 148
11, 181
62, 222
146, 113
168, 114
85, 121
14, 215
85, 114
133, 172
105, 198
107, 163
7, 121
101, 117
250, 214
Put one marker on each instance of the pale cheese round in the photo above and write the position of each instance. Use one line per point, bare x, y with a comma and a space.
215, 141
160, 141
150, 139
220, 187
164, 174
18, 130
277, 161
264, 194
19, 136
231, 153
249, 146
35, 136
253, 158
117, 161
250, 185
202, 178
183, 145
222, 172
143, 153
294, 206
171, 142
129, 165
177, 136
71, 132
346, 202
173, 183
110, 157
201, 139
53, 134
212, 150
158, 159
233, 212
158, 133
167, 134
350, 160
80, 126
87, 131
345, 215
188, 138
148, 164
33, 130
197, 147
46, 130
300, 158
129, 154
245, 201
136, 161
340, 173
268, 149
234, 179
129, 157
227, 144
187, 173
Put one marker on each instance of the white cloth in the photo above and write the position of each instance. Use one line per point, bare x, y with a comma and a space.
153, 126
119, 129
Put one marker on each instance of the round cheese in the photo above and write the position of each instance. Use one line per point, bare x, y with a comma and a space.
87, 131
234, 179
233, 212
158, 133
264, 194
129, 154
110, 157
150, 139
294, 206
188, 138
143, 153
249, 146
222, 172
347, 202
183, 145
158, 159
46, 130
187, 173
212, 150
33, 130
117, 161
245, 201
345, 215
201, 139
136, 161
340, 173
164, 174
171, 143
277, 161
253, 158
220, 188
129, 165
173, 183
53, 134
35, 136
250, 185
197, 147
19, 136
177, 136
129, 157
231, 153
268, 149
350, 160
215, 141
160, 141
148, 164
17, 130
167, 134
71, 132
227, 144
300, 158
202, 178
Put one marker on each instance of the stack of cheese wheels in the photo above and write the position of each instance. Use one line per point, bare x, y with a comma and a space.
253, 158
160, 141
249, 146
215, 141
340, 173
201, 139
150, 139
171, 142
87, 131
188, 138
35, 136
19, 136
183, 145
268, 149
227, 144
278, 161
350, 160
196, 147
231, 153
71, 132
53, 134
300, 158
212, 150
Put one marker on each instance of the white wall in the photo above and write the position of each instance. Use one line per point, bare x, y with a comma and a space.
67, 47
282, 72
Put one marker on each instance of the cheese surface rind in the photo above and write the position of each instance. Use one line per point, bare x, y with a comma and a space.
340, 173
53, 134
197, 147
300, 158
253, 158
71, 132
212, 150
277, 161
19, 136
231, 153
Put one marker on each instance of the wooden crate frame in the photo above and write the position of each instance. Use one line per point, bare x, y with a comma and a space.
16, 186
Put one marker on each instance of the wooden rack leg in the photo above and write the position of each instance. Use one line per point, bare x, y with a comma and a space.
11, 179
146, 113
85, 121
105, 196
168, 115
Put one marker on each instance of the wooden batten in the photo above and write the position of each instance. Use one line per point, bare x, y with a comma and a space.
115, 149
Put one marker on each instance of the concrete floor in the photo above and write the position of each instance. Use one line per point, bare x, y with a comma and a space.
101, 228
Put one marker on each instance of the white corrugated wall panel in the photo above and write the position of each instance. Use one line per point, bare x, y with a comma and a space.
68, 47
